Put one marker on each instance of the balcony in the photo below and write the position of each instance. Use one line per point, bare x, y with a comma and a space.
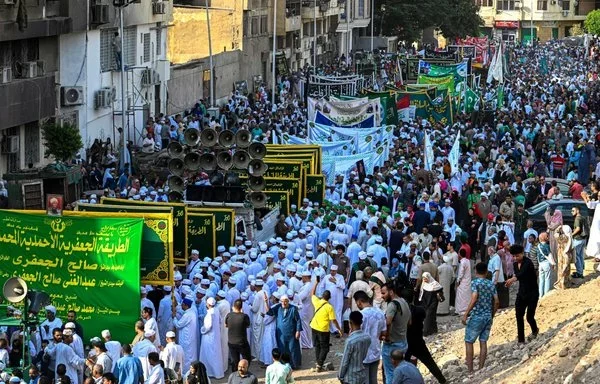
55, 26
25, 100
293, 23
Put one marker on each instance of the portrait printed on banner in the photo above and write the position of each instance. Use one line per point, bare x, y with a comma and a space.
54, 205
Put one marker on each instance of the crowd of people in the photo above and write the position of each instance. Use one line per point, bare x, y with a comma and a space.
379, 259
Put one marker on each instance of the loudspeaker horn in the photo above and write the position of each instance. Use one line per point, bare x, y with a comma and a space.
175, 149
226, 139
258, 199
191, 137
208, 162
224, 160
257, 167
176, 184
208, 137
175, 196
241, 159
176, 166
243, 138
257, 150
256, 183
192, 161
15, 289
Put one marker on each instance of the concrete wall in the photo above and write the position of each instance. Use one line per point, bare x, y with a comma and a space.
188, 37
185, 87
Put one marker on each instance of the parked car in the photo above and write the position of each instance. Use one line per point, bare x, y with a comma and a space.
536, 213
562, 184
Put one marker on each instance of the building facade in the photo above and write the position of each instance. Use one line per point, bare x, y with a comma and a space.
63, 66
519, 20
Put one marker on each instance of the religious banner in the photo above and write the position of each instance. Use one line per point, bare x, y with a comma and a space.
441, 82
364, 139
329, 147
293, 186
156, 263
438, 110
389, 112
278, 200
277, 150
289, 169
341, 111
225, 229
354, 121
87, 264
309, 162
413, 70
179, 249
201, 234
315, 188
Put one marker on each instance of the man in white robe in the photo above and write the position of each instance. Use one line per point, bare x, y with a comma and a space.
224, 307
62, 353
210, 350
306, 310
172, 354
187, 332
259, 308
141, 350
150, 324
164, 314
335, 284
145, 302
113, 348
50, 323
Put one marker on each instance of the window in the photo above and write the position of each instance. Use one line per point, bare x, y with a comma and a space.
485, 3
32, 143
255, 26
158, 41
146, 44
246, 24
264, 25
129, 50
107, 56
506, 5
566, 5
542, 5
361, 8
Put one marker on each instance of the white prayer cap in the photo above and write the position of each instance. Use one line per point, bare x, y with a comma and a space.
333, 252
186, 290
186, 282
269, 255
291, 268
170, 335
221, 249
226, 254
306, 274
204, 282
71, 325
370, 253
105, 333
258, 282
309, 247
362, 255
177, 276
238, 264
244, 296
296, 256
282, 297
167, 288
221, 293
239, 238
289, 236
302, 231
201, 291
290, 293
232, 281
211, 301
248, 243
277, 295
232, 249
309, 254
198, 276
143, 291
195, 252
149, 333
68, 332
322, 244
263, 247
279, 277
253, 255
276, 266
334, 267
241, 248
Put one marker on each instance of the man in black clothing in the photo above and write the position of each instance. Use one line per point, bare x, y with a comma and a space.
527, 296
417, 348
237, 324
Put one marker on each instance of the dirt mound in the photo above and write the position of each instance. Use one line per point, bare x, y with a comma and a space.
567, 349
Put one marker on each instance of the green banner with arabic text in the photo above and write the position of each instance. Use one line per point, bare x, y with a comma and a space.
87, 264
201, 234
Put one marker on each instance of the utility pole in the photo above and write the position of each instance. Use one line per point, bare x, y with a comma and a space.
210, 58
273, 79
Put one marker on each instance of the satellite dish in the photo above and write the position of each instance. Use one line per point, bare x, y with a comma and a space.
15, 289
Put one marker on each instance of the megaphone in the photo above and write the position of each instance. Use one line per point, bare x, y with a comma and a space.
257, 167
38, 300
243, 138
257, 150
192, 161
256, 183
224, 160
175, 196
208, 162
176, 184
15, 289
191, 137
226, 139
208, 137
175, 149
241, 159
258, 199
176, 166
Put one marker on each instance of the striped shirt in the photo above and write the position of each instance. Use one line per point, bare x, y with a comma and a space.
352, 369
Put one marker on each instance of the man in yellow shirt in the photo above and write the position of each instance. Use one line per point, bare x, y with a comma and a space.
324, 314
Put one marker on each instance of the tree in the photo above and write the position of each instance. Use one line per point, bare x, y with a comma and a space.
407, 18
62, 141
592, 22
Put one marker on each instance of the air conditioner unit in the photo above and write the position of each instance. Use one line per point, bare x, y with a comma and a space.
155, 77
565, 13
71, 96
5, 75
324, 6
12, 144
298, 56
29, 69
41, 67
99, 14
147, 77
103, 98
158, 8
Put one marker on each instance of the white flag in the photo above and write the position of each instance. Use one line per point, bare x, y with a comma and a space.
429, 156
454, 154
